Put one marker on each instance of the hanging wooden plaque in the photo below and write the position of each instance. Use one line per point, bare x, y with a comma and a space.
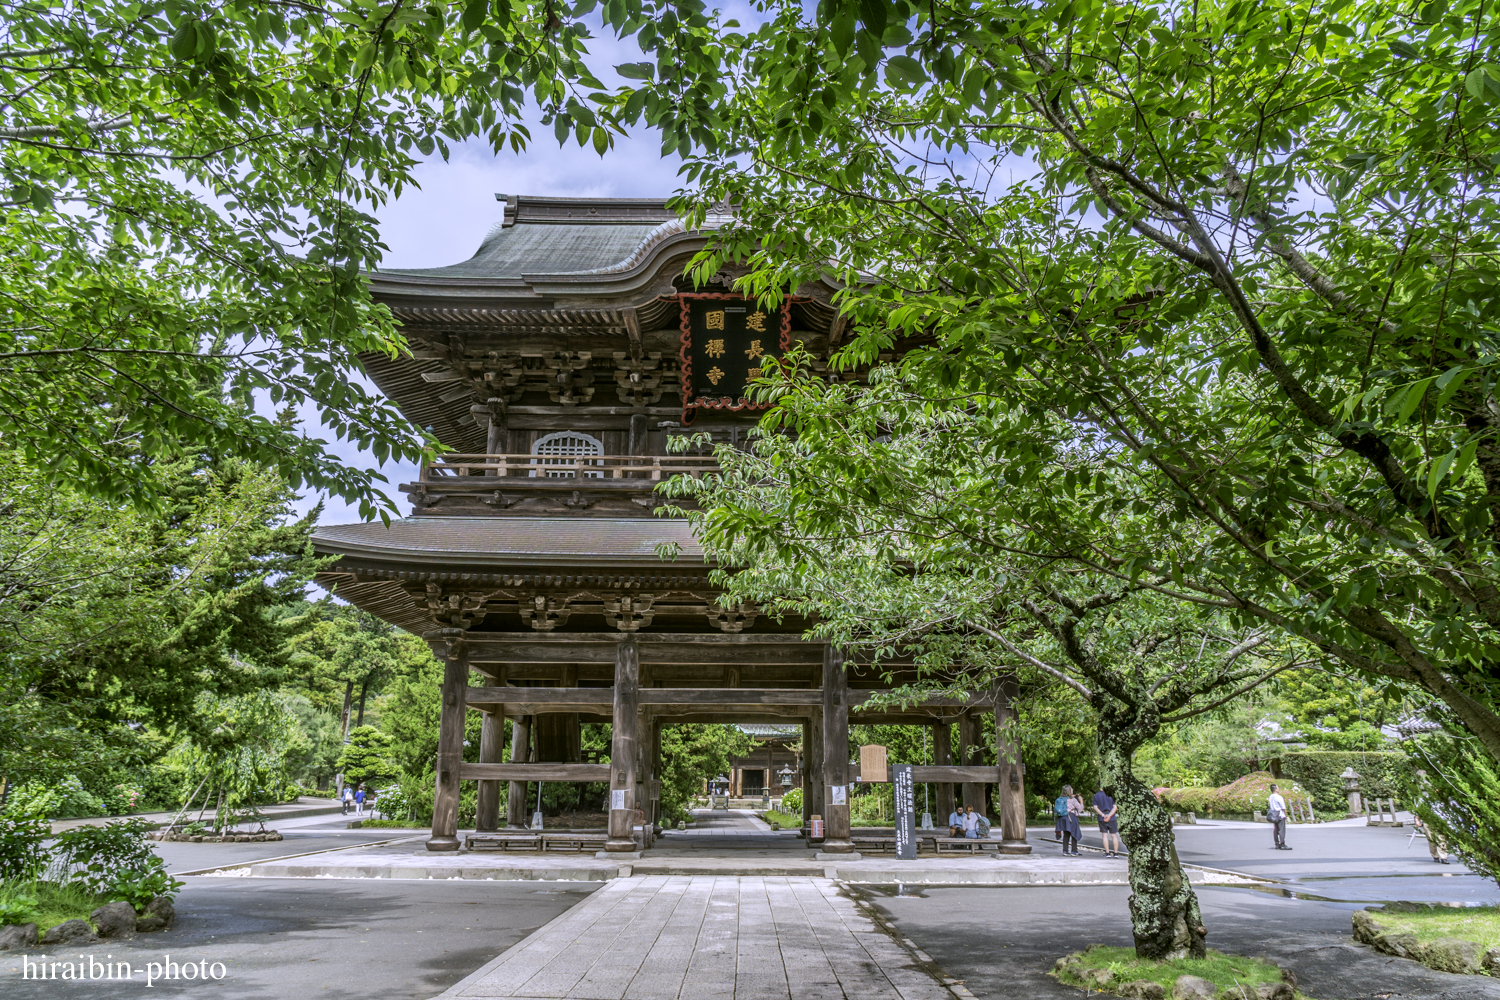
726, 340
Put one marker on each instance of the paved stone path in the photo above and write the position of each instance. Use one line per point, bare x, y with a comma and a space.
711, 938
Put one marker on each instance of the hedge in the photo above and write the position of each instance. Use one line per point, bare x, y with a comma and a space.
1241, 796
1318, 771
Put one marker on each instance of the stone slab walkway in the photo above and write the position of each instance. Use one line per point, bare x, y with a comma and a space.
711, 938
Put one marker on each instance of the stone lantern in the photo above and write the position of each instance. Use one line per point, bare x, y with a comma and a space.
1351, 788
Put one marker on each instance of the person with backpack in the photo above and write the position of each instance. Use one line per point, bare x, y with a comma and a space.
1276, 813
1068, 808
359, 800
348, 799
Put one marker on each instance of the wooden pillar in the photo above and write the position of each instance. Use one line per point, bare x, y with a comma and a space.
815, 767
622, 749
491, 751
836, 752
450, 742
1010, 796
642, 797
805, 767
494, 437
654, 814
942, 756
520, 753
968, 738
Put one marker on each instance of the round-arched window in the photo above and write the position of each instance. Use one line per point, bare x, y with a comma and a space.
562, 447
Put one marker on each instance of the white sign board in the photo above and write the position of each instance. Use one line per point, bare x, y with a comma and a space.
617, 799
836, 795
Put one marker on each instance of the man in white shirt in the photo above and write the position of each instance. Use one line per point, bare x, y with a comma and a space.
1276, 813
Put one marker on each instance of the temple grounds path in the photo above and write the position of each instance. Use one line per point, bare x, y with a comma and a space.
712, 938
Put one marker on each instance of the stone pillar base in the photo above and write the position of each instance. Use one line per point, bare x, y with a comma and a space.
849, 856
442, 844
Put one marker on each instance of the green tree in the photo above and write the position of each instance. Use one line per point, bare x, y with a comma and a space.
1244, 252
187, 193
691, 754
340, 655
365, 758
116, 622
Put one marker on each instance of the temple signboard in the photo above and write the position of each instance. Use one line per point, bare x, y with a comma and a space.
726, 342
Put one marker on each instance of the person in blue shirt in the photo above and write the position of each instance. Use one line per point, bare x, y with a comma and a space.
359, 801
956, 822
1109, 822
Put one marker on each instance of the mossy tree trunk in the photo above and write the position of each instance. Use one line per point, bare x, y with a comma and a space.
1164, 914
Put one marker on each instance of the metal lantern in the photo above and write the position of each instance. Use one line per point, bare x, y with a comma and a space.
786, 778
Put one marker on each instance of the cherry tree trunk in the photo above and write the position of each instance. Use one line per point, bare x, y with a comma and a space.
1164, 913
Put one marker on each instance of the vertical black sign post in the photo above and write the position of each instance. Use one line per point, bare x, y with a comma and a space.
906, 812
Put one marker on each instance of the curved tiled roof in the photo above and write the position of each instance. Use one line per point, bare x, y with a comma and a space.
504, 542
561, 236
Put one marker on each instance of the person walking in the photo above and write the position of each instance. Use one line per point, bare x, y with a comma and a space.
1072, 808
359, 800
1109, 822
1060, 814
371, 805
348, 799
1276, 813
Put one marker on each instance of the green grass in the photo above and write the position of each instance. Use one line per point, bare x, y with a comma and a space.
783, 820
45, 903
1480, 924
1220, 969
389, 824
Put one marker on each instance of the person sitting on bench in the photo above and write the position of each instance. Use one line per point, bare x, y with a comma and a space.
956, 822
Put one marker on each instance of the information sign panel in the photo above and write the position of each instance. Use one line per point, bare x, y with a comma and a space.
906, 809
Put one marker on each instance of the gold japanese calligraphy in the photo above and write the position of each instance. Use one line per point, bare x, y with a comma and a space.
714, 374
714, 348
756, 321
714, 320
753, 373
754, 350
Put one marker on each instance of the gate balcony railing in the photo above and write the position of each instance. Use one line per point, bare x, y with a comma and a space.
447, 468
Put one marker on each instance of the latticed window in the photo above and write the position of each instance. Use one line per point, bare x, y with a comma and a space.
566, 447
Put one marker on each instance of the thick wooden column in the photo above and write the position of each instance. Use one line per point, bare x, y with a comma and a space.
450, 742
836, 752
968, 739
942, 756
805, 767
653, 815
622, 749
520, 753
491, 751
1010, 795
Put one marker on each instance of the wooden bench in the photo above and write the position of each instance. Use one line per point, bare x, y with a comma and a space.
503, 842
573, 841
874, 843
972, 845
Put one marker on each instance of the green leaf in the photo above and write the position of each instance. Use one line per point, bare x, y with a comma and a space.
904, 71
474, 14
637, 71
601, 141
1405, 50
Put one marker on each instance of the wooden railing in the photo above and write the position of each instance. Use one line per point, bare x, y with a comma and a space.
648, 467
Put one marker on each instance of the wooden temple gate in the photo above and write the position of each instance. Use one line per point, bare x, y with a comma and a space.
536, 560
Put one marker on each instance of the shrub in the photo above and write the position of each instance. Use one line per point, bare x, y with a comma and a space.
23, 850
1245, 794
792, 801
115, 862
1380, 774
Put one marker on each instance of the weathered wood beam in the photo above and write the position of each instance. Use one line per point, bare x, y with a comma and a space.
576, 698
954, 772
534, 772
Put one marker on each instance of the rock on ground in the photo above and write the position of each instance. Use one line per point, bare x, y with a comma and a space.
1451, 955
1193, 988
161, 907
1491, 959
17, 936
1099, 977
113, 919
75, 931
1143, 989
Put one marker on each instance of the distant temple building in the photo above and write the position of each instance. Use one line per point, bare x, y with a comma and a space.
558, 361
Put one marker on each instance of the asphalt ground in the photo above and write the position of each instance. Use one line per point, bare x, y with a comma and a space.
1002, 941
300, 836
280, 939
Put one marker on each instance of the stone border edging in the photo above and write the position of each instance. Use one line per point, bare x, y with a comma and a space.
220, 869
1447, 954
